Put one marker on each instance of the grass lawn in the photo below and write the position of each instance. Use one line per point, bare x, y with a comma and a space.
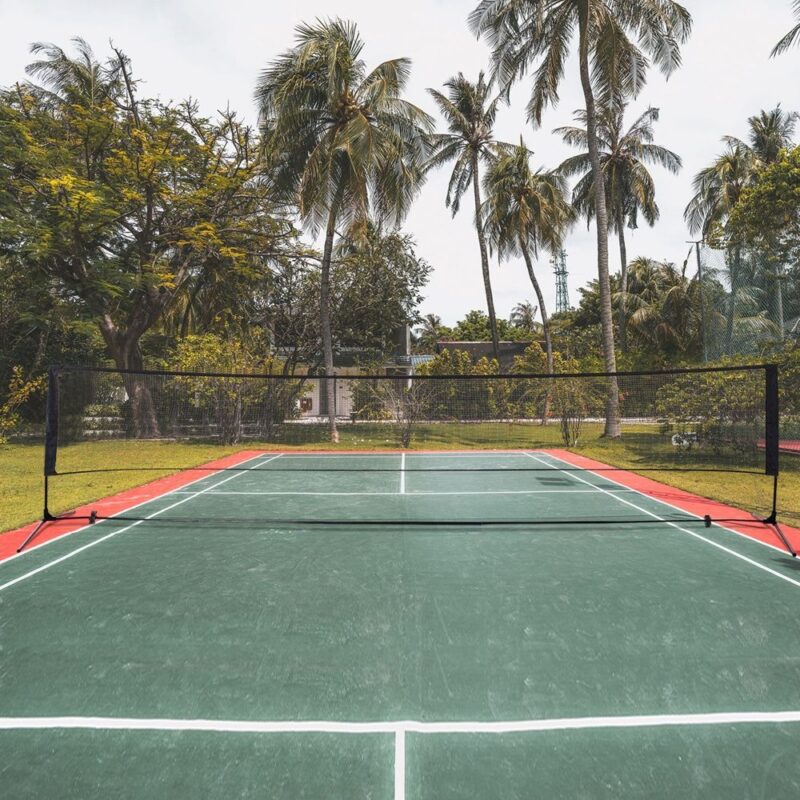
123, 464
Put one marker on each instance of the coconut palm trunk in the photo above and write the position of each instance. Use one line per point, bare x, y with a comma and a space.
487, 280
612, 426
325, 314
548, 342
623, 260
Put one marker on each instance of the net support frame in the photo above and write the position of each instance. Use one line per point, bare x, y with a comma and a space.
771, 432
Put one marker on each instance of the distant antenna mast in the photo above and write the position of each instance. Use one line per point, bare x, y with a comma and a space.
559, 262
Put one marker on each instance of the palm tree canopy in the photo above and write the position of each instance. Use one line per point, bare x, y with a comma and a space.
624, 156
770, 133
524, 207
335, 132
523, 316
469, 112
719, 186
791, 38
622, 37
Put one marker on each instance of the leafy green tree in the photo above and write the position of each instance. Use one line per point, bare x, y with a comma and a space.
768, 211
124, 203
718, 190
376, 283
614, 40
526, 210
792, 37
629, 187
343, 142
475, 327
470, 115
664, 306
228, 408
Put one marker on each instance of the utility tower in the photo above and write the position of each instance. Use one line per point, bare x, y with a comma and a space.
559, 262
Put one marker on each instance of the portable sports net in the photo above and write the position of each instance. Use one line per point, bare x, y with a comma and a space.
412, 449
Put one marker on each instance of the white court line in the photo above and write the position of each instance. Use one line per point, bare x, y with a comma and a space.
405, 726
696, 535
402, 491
663, 502
399, 764
186, 499
180, 490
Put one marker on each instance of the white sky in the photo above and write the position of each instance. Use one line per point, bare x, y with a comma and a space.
213, 51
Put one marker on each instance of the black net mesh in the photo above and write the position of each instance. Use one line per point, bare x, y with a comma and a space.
411, 448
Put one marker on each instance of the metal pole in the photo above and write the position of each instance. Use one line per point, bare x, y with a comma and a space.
702, 301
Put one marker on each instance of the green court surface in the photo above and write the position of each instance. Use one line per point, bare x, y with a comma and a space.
207, 652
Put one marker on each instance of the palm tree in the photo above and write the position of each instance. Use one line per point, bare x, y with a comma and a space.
341, 142
429, 331
534, 36
770, 132
470, 115
719, 186
523, 316
525, 211
629, 186
792, 37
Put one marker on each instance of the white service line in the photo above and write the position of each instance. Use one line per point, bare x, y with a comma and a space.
399, 764
405, 726
186, 499
696, 535
402, 473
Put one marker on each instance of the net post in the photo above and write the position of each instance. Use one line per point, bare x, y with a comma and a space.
50, 451
772, 446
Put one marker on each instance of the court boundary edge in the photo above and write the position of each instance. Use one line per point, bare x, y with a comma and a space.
681, 500
119, 503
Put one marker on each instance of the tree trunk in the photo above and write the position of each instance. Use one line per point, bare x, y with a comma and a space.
325, 314
612, 427
548, 342
623, 260
124, 349
487, 281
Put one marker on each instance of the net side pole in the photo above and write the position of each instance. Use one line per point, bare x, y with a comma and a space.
52, 404
772, 446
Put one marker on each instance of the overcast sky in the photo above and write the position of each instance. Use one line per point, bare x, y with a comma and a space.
213, 51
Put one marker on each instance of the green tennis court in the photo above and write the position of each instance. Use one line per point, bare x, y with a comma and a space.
222, 645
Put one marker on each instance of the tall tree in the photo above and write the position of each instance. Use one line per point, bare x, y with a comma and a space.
614, 40
470, 114
523, 316
629, 187
343, 143
125, 203
429, 332
791, 38
720, 186
524, 211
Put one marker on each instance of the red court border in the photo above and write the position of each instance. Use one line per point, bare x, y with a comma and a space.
685, 501
118, 503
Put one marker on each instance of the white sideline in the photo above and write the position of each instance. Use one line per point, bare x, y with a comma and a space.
179, 490
186, 499
663, 502
395, 726
696, 535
